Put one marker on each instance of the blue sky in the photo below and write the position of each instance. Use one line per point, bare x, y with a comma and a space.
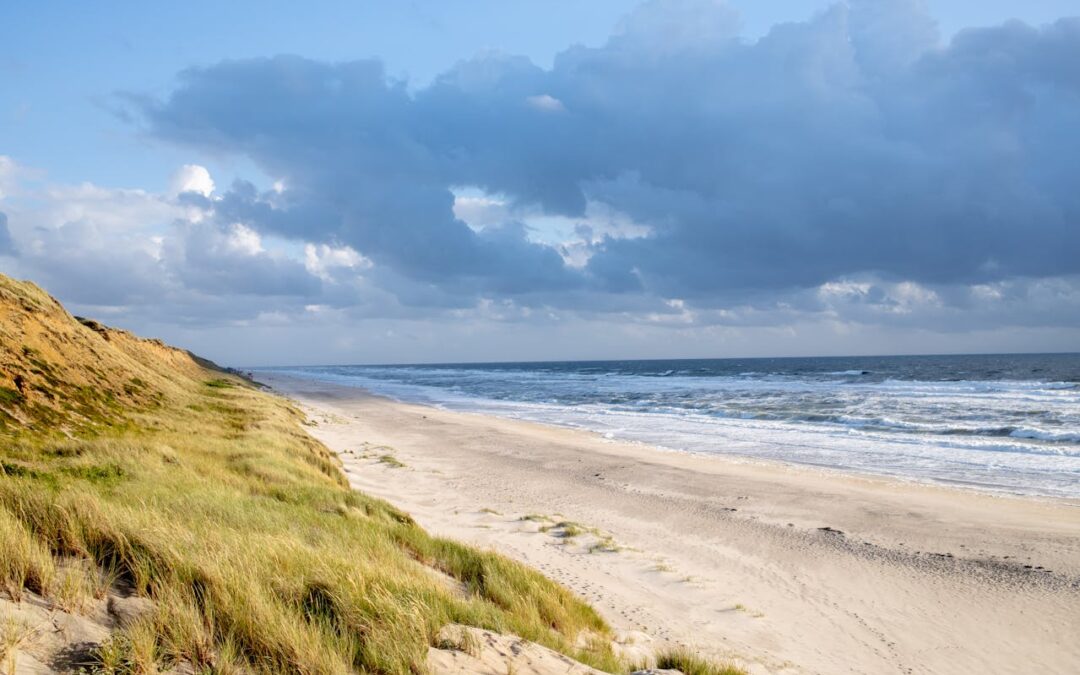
689, 180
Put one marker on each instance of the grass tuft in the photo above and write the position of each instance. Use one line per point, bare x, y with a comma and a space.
688, 663
391, 461
25, 561
605, 544
564, 529
12, 634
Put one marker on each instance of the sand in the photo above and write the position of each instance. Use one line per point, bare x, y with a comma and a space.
782, 569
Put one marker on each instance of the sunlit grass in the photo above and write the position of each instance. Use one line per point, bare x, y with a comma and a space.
689, 663
256, 554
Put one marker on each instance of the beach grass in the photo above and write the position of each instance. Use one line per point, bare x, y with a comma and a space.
689, 663
391, 461
257, 556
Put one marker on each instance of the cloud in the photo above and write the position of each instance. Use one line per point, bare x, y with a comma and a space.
7, 174
854, 142
7, 246
546, 103
231, 260
324, 261
192, 178
355, 173
12, 175
134, 252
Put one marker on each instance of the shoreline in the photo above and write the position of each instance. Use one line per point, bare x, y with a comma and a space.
988, 488
736, 458
782, 567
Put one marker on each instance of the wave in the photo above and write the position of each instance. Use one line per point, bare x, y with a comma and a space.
1041, 435
1020, 433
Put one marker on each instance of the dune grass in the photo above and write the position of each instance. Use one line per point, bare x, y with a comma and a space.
257, 556
391, 461
690, 663
12, 634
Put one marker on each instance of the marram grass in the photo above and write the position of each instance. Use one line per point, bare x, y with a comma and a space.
257, 556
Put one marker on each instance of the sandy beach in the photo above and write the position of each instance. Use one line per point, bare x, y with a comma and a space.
782, 569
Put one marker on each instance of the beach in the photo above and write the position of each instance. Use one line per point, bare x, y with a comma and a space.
781, 569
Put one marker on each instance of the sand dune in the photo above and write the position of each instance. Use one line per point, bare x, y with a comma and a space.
785, 569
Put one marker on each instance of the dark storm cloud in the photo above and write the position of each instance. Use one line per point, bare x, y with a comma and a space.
347, 143
854, 142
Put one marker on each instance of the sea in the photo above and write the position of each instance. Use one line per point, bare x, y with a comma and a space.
998, 422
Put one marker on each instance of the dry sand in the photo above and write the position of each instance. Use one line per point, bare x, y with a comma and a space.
733, 557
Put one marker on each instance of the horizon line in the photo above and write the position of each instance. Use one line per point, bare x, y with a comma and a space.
616, 360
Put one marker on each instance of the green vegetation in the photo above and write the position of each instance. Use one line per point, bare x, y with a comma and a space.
10, 396
256, 554
605, 544
131, 468
565, 529
391, 461
12, 633
690, 664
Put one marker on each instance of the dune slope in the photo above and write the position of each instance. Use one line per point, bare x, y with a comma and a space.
175, 517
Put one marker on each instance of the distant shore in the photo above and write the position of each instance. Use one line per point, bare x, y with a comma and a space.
785, 569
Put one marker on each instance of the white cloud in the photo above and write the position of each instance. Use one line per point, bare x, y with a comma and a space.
909, 296
242, 239
192, 178
546, 103
321, 260
114, 209
127, 253
7, 175
850, 290
15, 176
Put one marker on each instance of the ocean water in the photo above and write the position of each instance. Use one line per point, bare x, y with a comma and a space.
995, 422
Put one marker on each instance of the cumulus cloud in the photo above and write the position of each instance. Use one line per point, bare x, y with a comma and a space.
192, 178
138, 253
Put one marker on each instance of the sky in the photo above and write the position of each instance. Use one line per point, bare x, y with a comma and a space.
358, 182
